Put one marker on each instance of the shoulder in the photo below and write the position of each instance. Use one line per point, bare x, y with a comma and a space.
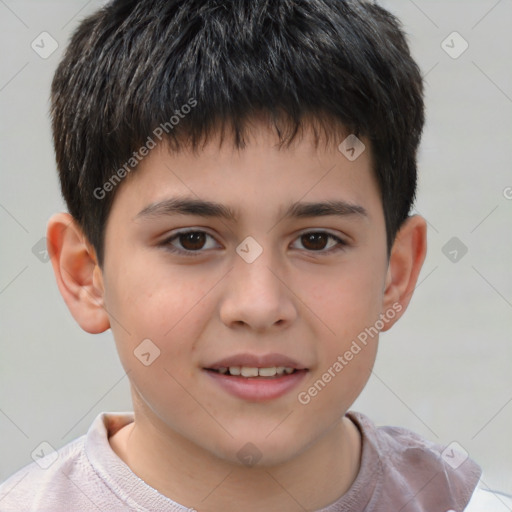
83, 472
488, 500
51, 472
419, 474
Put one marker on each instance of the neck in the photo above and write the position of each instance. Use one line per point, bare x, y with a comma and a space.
193, 477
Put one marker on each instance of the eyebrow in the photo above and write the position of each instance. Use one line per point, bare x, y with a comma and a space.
202, 208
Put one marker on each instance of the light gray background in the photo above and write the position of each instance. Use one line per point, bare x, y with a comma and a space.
444, 370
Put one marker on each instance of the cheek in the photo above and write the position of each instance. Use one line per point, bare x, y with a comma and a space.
162, 306
345, 364
154, 298
346, 300
156, 343
348, 305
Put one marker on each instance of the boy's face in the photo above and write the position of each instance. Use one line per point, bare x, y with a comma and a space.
303, 298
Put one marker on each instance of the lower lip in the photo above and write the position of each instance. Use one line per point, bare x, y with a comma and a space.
257, 389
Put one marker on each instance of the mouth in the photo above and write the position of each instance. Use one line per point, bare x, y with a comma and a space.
270, 372
256, 378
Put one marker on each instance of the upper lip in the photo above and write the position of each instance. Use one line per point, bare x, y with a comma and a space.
257, 361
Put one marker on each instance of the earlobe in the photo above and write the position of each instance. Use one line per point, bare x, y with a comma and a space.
405, 262
78, 275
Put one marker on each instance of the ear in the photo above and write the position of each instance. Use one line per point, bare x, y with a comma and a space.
78, 274
405, 262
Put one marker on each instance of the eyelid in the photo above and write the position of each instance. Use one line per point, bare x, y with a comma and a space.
342, 243
166, 243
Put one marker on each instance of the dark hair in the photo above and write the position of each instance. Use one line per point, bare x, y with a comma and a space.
342, 66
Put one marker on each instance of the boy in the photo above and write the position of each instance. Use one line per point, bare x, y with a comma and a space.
205, 149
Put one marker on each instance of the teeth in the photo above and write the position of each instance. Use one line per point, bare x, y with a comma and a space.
267, 372
247, 371
234, 370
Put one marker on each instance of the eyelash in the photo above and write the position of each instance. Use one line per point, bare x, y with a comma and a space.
167, 243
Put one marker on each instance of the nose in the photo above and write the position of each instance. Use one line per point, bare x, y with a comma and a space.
257, 295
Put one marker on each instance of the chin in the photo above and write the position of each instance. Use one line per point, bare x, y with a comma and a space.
258, 452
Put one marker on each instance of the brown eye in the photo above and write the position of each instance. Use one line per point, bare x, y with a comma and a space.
193, 240
189, 243
318, 241
315, 241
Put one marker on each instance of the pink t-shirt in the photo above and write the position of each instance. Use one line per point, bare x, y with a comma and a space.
400, 471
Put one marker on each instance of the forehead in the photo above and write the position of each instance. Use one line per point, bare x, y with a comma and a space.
223, 180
